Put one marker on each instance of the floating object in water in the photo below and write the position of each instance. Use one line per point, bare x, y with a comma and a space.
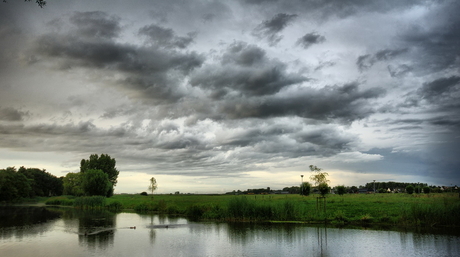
133, 227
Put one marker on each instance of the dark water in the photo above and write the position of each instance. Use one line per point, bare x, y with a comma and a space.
39, 231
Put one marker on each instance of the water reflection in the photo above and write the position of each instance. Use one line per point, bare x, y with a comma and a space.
96, 228
20, 222
106, 234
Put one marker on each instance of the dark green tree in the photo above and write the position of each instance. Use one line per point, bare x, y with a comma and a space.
13, 185
42, 182
305, 189
95, 182
410, 189
73, 184
323, 188
104, 163
341, 189
426, 190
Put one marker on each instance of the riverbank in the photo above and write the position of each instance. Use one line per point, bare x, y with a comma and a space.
361, 209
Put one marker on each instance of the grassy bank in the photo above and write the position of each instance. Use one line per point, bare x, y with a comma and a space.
390, 209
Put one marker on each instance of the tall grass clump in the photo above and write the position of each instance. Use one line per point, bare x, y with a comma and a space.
243, 209
115, 206
240, 208
60, 201
439, 214
90, 202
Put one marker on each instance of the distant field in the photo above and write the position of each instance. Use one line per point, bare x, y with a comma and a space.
392, 209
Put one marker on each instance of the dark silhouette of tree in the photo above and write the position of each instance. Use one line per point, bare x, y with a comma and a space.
13, 185
104, 163
95, 182
40, 3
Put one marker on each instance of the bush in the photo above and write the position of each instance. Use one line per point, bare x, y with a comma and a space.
305, 188
410, 189
144, 194
341, 190
323, 188
426, 190
195, 211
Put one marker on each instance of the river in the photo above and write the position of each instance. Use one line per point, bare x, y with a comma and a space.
41, 231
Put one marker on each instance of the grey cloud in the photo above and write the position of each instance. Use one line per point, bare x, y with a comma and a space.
343, 103
270, 28
11, 114
436, 46
322, 10
166, 37
150, 71
243, 54
329, 139
96, 24
310, 39
366, 61
442, 91
245, 69
399, 70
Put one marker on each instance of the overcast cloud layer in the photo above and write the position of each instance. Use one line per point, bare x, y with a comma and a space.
209, 96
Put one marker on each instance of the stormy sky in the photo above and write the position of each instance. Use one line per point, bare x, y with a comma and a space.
212, 96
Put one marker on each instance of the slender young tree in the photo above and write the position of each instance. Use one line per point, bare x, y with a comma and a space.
320, 180
153, 185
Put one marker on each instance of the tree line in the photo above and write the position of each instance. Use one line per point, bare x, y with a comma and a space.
27, 183
98, 176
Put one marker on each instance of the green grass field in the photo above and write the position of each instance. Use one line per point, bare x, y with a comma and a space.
390, 209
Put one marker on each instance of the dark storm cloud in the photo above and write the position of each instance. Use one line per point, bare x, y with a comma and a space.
245, 69
166, 37
310, 39
333, 8
436, 46
96, 24
326, 137
11, 114
270, 29
343, 103
441, 94
149, 70
443, 91
366, 61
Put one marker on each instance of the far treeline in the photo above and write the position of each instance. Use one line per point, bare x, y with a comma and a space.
98, 176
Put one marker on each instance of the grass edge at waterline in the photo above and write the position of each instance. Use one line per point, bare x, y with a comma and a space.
387, 209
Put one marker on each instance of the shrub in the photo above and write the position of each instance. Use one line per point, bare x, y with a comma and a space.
341, 190
305, 188
195, 211
410, 189
144, 194
323, 188
426, 190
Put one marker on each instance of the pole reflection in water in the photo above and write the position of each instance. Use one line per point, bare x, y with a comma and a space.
321, 234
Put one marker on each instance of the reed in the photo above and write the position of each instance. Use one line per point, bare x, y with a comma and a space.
90, 202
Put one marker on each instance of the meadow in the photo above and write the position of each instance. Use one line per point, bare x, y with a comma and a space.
439, 209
